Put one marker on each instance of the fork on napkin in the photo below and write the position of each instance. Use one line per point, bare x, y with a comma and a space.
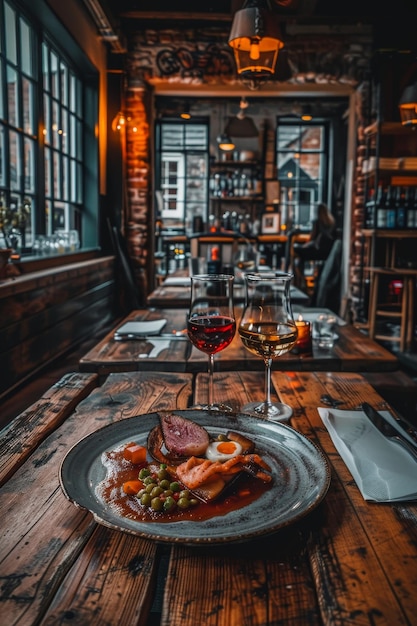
383, 470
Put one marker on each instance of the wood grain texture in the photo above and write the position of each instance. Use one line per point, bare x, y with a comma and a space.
45, 535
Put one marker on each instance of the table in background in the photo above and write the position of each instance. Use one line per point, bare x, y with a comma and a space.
352, 351
175, 293
347, 560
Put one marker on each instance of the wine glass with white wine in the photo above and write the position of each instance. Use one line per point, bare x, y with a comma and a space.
268, 330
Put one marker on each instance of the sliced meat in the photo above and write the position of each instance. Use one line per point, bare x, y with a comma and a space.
182, 436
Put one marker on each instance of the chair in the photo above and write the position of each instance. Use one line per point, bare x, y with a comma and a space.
226, 242
328, 289
402, 310
129, 287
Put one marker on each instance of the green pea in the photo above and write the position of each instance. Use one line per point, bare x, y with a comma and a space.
169, 504
144, 472
156, 491
175, 486
148, 480
150, 487
146, 499
162, 474
164, 484
183, 503
185, 494
193, 501
156, 504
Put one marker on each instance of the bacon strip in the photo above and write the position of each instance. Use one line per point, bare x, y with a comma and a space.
197, 472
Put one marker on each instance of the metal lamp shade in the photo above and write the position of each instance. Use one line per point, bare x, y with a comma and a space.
408, 105
256, 39
241, 127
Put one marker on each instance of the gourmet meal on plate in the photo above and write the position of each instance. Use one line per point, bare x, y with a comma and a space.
184, 472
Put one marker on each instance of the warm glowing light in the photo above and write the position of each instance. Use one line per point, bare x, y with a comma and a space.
254, 51
289, 175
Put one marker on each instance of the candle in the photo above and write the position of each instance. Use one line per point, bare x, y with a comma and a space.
303, 344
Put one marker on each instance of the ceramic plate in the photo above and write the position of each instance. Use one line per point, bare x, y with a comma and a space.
300, 472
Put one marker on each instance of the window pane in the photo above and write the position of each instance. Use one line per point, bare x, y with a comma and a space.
65, 178
1, 94
28, 116
47, 172
29, 165
64, 90
64, 127
12, 99
46, 113
26, 47
55, 125
15, 164
56, 176
10, 29
45, 67
54, 76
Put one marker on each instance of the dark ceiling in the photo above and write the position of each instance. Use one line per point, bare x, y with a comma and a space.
394, 27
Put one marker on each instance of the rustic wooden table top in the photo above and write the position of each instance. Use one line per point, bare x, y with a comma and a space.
348, 561
353, 351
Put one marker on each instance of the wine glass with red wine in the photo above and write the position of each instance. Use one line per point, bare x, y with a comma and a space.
211, 322
267, 329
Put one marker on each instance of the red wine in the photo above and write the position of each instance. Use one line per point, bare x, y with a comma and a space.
211, 333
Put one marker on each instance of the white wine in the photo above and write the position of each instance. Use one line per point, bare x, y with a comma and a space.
268, 340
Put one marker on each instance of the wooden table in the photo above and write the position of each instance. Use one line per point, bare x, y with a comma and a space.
177, 296
353, 351
349, 561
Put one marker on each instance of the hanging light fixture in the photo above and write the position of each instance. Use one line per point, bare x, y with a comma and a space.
256, 39
241, 125
408, 105
186, 111
306, 113
225, 143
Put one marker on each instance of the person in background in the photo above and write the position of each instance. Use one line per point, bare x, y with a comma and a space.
318, 246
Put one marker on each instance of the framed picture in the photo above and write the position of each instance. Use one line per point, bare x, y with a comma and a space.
270, 223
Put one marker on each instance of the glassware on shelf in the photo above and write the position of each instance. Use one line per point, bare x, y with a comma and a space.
268, 330
211, 321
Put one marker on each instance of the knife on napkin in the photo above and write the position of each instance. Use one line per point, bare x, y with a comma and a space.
405, 438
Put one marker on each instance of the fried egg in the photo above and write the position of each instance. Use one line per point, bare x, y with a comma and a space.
223, 450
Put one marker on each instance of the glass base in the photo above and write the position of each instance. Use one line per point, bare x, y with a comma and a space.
224, 408
277, 412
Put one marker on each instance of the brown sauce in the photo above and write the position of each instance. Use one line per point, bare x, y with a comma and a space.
244, 490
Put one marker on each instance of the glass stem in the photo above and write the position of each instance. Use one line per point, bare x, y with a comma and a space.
210, 380
268, 364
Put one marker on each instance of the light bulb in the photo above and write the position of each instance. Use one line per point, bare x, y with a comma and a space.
254, 51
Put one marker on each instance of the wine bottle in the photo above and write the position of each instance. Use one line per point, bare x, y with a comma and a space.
381, 208
391, 209
400, 210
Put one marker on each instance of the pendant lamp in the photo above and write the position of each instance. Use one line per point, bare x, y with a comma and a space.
241, 125
256, 39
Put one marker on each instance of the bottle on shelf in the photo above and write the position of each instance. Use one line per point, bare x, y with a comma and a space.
391, 209
381, 207
400, 209
213, 260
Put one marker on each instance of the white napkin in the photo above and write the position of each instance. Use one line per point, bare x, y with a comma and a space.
159, 344
140, 329
177, 281
383, 470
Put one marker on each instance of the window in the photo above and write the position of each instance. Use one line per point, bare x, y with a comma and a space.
43, 127
182, 173
301, 151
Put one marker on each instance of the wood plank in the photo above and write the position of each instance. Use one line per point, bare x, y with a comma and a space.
31, 427
62, 572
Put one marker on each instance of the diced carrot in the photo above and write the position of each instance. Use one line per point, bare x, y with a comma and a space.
131, 487
135, 453
244, 492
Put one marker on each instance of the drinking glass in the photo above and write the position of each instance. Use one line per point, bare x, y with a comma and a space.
211, 322
268, 330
